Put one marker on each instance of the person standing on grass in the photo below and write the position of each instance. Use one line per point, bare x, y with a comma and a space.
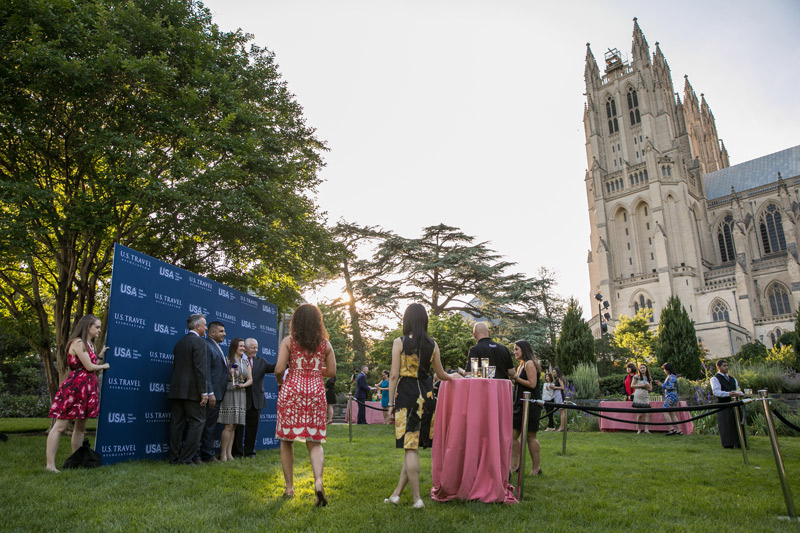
725, 388
548, 394
254, 397
630, 369
670, 388
362, 392
330, 397
302, 409
642, 385
560, 391
527, 379
411, 396
383, 386
77, 397
217, 383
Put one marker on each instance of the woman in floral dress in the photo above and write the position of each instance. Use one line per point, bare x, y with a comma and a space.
77, 397
670, 388
411, 396
301, 401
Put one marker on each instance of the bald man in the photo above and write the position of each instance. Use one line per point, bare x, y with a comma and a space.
485, 348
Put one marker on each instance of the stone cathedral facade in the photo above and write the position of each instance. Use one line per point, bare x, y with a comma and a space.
670, 215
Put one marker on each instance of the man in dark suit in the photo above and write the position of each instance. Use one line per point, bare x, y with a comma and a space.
188, 392
216, 385
362, 393
255, 401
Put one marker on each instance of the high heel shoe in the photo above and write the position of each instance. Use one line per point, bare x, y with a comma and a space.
319, 497
419, 504
392, 499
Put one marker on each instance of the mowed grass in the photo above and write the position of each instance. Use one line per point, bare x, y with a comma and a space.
606, 482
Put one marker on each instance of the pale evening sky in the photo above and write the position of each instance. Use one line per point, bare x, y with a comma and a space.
470, 112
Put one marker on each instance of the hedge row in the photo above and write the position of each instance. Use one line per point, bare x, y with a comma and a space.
23, 406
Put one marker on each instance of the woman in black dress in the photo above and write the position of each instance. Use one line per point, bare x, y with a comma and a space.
526, 380
411, 390
330, 396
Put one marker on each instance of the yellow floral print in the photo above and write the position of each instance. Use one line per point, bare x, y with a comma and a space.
433, 419
409, 365
420, 406
411, 441
400, 419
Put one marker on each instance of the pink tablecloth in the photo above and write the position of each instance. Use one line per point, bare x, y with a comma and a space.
472, 429
610, 425
373, 416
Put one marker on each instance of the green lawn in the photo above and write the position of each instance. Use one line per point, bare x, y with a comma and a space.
606, 482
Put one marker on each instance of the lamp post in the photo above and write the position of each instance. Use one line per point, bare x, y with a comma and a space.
602, 313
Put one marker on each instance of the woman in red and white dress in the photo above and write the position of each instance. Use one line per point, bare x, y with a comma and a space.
302, 408
77, 397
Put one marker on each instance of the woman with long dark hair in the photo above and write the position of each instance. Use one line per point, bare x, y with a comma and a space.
77, 397
560, 397
630, 370
302, 409
642, 385
526, 379
411, 396
670, 391
233, 410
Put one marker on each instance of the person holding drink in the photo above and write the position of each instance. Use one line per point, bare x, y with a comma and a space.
234, 405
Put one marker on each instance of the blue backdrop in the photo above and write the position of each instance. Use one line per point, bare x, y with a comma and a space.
149, 303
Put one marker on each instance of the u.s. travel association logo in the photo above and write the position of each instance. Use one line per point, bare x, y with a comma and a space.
130, 321
200, 283
268, 417
198, 309
268, 352
247, 324
268, 441
118, 450
268, 329
135, 260
154, 417
225, 317
125, 384
225, 293
166, 300
131, 290
161, 357
123, 352
250, 302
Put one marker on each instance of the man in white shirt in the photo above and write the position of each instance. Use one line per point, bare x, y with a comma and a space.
725, 388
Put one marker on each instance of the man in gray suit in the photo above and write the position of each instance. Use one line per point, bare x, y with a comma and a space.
217, 385
188, 392
255, 401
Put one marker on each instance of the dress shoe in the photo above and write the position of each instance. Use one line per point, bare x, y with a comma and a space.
251, 456
197, 461
211, 459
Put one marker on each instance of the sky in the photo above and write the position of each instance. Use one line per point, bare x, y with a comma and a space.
470, 112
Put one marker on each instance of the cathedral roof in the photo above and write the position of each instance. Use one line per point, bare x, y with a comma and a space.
753, 173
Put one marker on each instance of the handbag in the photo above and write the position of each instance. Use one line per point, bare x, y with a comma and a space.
84, 457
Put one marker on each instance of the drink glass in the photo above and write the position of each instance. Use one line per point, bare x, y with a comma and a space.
492, 371
474, 364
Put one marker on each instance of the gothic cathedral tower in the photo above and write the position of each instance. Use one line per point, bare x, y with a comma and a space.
647, 153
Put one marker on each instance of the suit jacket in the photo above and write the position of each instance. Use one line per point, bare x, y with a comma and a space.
362, 389
189, 379
259, 367
217, 370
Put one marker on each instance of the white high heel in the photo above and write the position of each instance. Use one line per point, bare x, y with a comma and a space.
392, 499
419, 504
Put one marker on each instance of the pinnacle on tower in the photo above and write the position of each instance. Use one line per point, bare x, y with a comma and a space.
591, 73
641, 51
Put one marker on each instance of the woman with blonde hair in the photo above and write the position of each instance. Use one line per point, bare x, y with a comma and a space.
302, 408
77, 397
411, 396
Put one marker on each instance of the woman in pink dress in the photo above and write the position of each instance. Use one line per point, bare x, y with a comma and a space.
76, 398
301, 401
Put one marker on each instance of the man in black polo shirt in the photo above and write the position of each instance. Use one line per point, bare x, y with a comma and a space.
485, 348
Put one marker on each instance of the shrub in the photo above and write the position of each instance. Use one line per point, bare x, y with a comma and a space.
585, 380
686, 387
757, 376
24, 406
612, 384
791, 382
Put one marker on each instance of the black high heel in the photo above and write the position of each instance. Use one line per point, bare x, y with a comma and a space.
319, 498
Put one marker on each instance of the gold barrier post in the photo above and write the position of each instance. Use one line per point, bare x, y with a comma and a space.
523, 442
564, 433
350, 416
742, 442
776, 452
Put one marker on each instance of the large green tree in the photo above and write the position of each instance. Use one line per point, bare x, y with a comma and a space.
142, 123
677, 340
634, 335
576, 343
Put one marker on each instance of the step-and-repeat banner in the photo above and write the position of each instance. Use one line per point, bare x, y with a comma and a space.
149, 303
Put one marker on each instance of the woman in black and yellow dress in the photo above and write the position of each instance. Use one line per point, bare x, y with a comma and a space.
411, 396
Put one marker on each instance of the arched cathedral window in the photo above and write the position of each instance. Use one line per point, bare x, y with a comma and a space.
778, 298
633, 107
725, 239
771, 229
643, 303
611, 114
719, 311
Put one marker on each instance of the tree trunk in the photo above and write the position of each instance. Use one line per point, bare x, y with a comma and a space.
359, 346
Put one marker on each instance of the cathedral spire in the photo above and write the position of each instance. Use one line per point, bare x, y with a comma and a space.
641, 51
591, 73
689, 96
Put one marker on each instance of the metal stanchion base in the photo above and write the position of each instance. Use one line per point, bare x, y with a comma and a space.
789, 518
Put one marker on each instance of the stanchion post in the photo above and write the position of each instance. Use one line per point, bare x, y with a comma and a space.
564, 434
523, 442
776, 452
741, 435
350, 416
